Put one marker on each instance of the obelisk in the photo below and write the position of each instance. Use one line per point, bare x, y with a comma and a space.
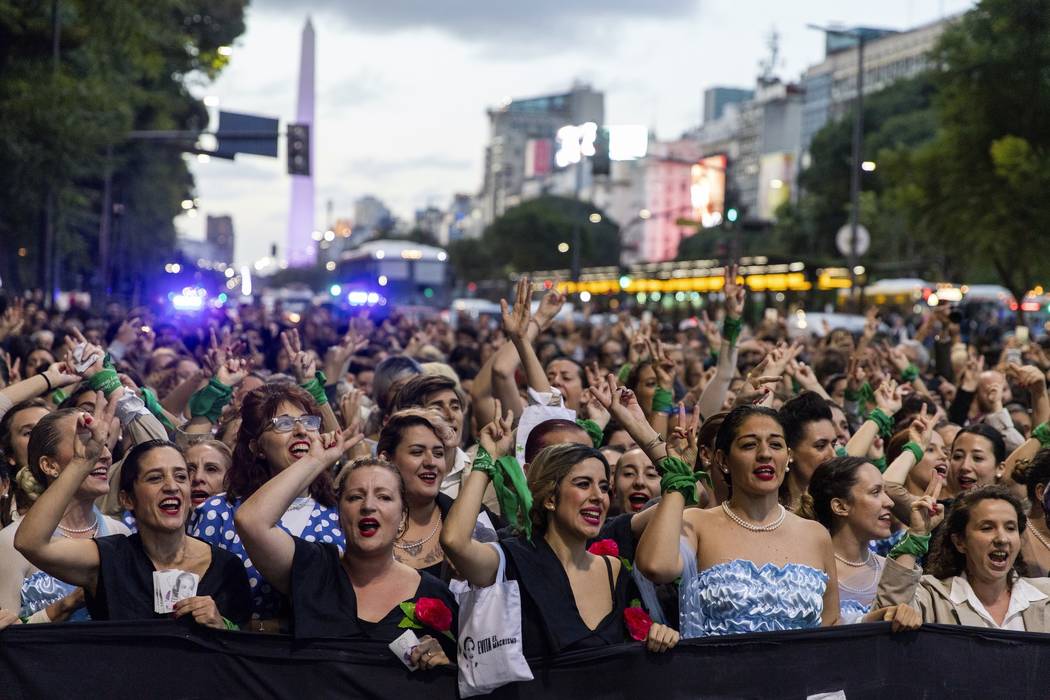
301, 249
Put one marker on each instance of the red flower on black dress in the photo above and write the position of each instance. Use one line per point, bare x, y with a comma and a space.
638, 621
606, 547
434, 613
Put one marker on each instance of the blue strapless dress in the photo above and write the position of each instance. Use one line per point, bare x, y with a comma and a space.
738, 597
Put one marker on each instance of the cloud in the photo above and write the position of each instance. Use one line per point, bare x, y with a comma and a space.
534, 21
384, 168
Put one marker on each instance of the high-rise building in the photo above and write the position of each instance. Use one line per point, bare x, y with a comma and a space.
430, 219
831, 86
371, 217
462, 220
522, 144
219, 233
301, 248
716, 100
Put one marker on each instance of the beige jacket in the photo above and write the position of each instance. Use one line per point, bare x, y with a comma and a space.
933, 598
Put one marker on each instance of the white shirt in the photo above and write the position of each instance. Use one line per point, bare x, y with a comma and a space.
453, 480
1022, 595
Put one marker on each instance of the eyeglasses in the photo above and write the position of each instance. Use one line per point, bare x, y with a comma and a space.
284, 424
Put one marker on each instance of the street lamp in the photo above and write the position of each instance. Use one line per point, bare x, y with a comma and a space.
856, 163
563, 247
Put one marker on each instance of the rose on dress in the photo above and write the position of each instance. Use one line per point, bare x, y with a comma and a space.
638, 623
606, 547
434, 613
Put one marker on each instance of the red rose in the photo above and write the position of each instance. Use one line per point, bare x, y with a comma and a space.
638, 623
605, 547
434, 613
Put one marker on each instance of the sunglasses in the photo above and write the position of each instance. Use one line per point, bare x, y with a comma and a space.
285, 424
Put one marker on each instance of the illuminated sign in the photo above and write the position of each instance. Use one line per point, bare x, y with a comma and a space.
628, 141
575, 142
708, 190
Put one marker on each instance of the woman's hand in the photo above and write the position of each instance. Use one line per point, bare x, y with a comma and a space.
79, 351
926, 513
203, 610
734, 293
428, 654
921, 429
303, 365
516, 320
550, 305
232, 372
661, 638
60, 374
904, 617
327, 448
663, 365
888, 397
337, 358
350, 410
93, 430
623, 404
497, 438
684, 434
8, 618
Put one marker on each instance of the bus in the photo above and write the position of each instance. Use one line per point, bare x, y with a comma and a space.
393, 272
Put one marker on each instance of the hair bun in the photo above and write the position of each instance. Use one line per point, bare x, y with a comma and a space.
28, 483
806, 507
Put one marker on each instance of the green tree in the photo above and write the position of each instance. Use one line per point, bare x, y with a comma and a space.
978, 191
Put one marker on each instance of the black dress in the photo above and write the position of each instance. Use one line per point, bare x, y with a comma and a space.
324, 604
618, 529
550, 621
442, 570
125, 582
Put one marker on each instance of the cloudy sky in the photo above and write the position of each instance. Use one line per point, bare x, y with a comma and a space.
402, 85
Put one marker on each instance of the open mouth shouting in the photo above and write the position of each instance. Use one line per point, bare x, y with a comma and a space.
100, 472
592, 516
765, 472
637, 500
999, 559
170, 506
967, 482
428, 477
941, 468
367, 527
198, 496
299, 448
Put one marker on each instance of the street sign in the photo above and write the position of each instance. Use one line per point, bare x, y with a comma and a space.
844, 238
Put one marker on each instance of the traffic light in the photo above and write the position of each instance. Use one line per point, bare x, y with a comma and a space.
731, 214
600, 161
299, 149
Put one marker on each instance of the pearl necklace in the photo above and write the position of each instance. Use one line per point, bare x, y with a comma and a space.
751, 526
855, 564
1039, 537
414, 548
75, 531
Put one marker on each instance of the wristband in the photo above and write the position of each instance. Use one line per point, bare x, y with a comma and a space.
885, 423
596, 434
731, 329
910, 374
315, 387
915, 545
49, 387
209, 401
58, 396
916, 449
105, 380
1041, 433
840, 451
679, 476
625, 371
512, 491
663, 400
879, 463
230, 625
149, 398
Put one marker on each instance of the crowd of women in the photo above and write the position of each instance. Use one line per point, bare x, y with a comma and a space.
350, 478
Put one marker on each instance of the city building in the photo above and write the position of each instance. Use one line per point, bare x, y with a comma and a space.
831, 85
219, 233
371, 216
430, 219
523, 144
462, 220
716, 99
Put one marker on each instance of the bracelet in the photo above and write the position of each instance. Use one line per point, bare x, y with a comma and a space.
58, 396
731, 329
910, 374
49, 387
1041, 433
680, 477
915, 545
315, 387
652, 444
885, 423
915, 449
663, 400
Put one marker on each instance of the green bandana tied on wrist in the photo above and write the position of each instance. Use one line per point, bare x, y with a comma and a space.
731, 329
910, 374
625, 371
663, 400
315, 387
879, 463
885, 423
58, 396
105, 380
1041, 433
512, 491
209, 401
915, 545
679, 476
149, 397
596, 434
916, 449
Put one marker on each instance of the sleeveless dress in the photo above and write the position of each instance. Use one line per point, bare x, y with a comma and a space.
857, 592
737, 597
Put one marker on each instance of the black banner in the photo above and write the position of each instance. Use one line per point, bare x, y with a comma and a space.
162, 659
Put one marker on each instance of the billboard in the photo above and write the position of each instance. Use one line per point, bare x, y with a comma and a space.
539, 157
776, 172
708, 190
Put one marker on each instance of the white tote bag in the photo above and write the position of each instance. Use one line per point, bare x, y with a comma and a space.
490, 647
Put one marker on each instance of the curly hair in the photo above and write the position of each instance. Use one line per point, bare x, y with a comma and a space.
945, 559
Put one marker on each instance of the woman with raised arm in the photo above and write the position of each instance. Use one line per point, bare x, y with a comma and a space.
277, 422
975, 568
363, 593
117, 572
570, 599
